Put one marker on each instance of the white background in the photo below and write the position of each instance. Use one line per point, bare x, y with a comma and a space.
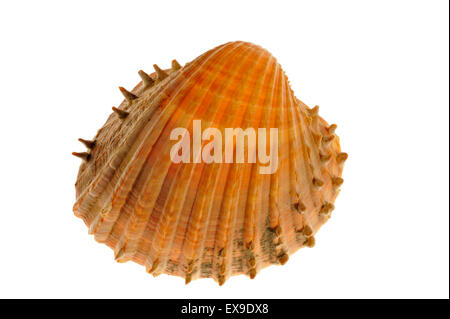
379, 69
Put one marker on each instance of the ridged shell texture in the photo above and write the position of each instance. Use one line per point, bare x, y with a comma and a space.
209, 220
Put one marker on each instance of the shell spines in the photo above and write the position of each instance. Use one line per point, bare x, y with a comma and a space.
129, 97
160, 72
89, 144
147, 81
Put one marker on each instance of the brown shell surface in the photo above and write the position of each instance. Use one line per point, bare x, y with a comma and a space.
212, 220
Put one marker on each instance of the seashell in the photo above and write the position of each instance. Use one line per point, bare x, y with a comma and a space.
209, 220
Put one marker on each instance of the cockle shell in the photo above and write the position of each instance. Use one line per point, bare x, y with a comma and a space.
213, 220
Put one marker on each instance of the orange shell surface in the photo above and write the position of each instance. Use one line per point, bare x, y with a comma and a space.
213, 220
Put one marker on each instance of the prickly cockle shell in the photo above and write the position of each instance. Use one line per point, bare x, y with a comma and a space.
213, 220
